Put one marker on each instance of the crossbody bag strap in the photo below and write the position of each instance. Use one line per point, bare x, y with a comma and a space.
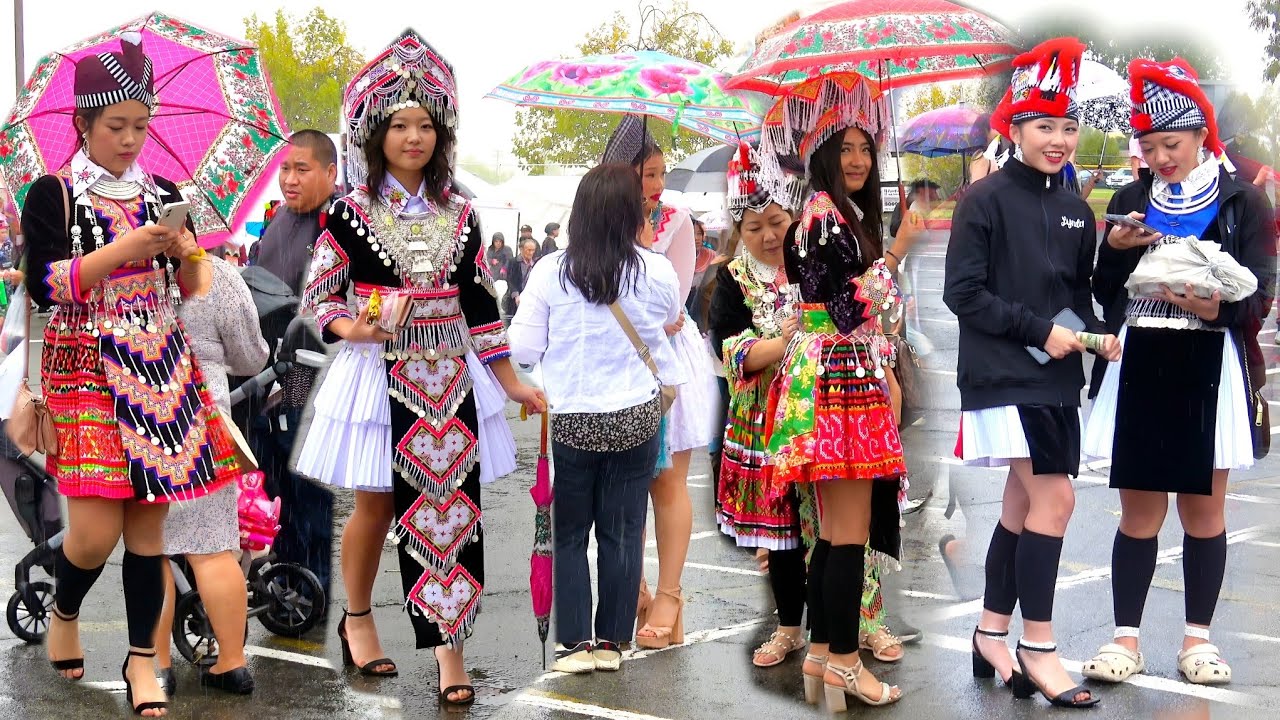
641, 349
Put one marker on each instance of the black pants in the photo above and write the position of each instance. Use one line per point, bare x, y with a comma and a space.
610, 491
306, 508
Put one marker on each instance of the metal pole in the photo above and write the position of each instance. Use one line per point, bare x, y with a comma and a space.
19, 59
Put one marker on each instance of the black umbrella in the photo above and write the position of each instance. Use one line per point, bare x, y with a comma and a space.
703, 171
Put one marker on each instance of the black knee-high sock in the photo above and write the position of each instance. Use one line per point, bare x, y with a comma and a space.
1204, 562
1036, 565
819, 630
74, 583
1001, 593
786, 579
842, 596
1133, 564
143, 580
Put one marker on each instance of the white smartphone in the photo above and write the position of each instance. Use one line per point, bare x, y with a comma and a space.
174, 215
1129, 222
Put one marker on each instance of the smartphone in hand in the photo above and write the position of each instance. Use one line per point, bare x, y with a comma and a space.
174, 215
1126, 221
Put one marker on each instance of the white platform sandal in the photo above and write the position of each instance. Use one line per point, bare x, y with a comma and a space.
1115, 663
1203, 664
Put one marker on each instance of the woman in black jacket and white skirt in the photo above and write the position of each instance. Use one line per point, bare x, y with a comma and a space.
1018, 265
1177, 414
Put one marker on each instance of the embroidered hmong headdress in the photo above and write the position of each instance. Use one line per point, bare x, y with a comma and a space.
408, 73
112, 77
1043, 85
756, 179
628, 141
1167, 97
817, 109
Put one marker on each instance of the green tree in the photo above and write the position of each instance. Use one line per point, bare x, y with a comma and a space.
309, 60
1264, 16
545, 137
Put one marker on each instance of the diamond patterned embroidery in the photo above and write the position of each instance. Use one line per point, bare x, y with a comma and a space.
431, 388
436, 461
451, 602
439, 531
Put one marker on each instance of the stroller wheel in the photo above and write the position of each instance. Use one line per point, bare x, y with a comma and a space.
192, 631
27, 622
294, 597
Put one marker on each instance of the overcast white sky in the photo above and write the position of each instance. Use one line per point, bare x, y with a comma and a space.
489, 40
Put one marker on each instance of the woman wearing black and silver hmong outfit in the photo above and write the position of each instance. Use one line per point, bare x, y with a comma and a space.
1175, 414
1020, 256
413, 421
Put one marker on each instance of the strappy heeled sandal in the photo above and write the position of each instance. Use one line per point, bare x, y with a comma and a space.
878, 642
1114, 663
348, 660
644, 600
664, 637
128, 686
778, 647
70, 663
836, 694
470, 690
982, 668
1203, 665
1025, 686
813, 683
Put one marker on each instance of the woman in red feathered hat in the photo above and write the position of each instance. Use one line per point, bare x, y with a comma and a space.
1183, 428
1017, 277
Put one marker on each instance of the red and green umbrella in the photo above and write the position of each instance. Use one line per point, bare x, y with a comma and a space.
896, 43
685, 93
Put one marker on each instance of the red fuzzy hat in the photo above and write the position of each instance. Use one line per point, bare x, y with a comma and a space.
1167, 97
1043, 84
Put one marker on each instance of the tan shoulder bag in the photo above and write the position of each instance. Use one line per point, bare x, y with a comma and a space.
667, 392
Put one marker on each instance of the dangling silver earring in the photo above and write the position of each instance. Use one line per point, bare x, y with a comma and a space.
1200, 156
1017, 152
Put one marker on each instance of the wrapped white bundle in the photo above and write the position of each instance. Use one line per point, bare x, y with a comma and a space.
1177, 261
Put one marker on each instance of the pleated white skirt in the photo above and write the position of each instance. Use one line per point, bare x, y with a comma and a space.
348, 444
1233, 435
691, 422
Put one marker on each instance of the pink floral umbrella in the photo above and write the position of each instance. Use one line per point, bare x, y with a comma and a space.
216, 130
683, 92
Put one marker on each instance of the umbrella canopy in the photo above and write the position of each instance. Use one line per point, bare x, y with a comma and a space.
216, 129
1098, 80
540, 565
703, 171
683, 92
894, 42
1108, 114
944, 131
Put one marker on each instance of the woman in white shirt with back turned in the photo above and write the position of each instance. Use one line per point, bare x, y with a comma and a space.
605, 404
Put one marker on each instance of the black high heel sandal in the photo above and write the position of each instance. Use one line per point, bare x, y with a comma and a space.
1024, 686
982, 668
444, 694
72, 663
347, 660
128, 686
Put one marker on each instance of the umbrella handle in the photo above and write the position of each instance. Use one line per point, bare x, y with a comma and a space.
542, 447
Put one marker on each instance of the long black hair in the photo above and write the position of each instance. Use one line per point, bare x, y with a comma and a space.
438, 174
607, 214
826, 175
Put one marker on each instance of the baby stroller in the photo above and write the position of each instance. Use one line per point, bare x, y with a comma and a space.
287, 598
32, 494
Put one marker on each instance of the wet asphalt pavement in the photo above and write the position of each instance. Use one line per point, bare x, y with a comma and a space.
729, 611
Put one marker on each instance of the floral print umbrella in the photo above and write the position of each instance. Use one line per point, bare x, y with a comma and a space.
894, 42
216, 129
683, 92
945, 131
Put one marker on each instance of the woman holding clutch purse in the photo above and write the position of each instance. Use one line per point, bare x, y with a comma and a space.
410, 414
1017, 274
1177, 414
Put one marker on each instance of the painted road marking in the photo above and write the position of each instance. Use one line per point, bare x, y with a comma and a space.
549, 701
287, 656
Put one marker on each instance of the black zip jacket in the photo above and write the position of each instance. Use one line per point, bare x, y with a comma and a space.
1245, 228
1021, 251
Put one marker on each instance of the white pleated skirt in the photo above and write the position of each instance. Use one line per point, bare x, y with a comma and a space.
348, 444
497, 446
993, 437
1233, 435
691, 423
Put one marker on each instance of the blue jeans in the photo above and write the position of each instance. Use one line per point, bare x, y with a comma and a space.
609, 490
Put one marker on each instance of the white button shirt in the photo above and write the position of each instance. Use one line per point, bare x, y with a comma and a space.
588, 364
